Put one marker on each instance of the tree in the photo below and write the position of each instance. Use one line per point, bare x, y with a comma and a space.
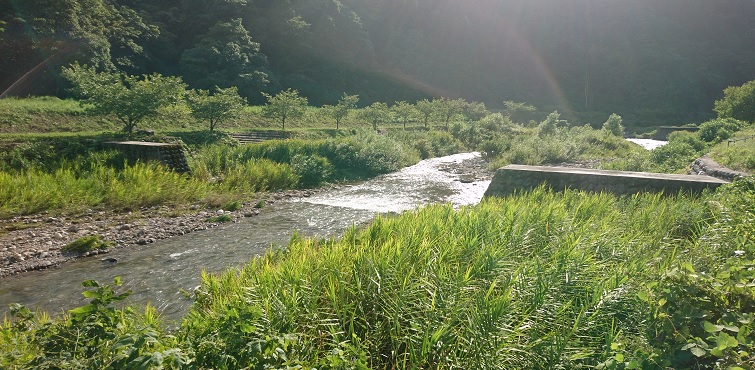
550, 124
375, 113
284, 105
43, 35
130, 98
449, 108
738, 103
426, 108
474, 111
518, 112
226, 56
342, 108
404, 111
223, 105
613, 125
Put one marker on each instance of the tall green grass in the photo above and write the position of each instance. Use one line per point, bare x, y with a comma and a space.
536, 281
72, 188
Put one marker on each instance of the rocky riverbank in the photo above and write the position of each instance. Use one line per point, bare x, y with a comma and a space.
36, 242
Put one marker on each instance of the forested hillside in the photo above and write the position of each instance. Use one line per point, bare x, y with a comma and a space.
653, 62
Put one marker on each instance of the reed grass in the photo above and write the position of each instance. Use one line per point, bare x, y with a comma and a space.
536, 281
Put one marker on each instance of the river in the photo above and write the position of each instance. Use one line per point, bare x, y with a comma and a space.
161, 273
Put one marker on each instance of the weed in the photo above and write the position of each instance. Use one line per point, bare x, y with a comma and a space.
86, 244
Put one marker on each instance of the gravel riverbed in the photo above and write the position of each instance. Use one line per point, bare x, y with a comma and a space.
29, 243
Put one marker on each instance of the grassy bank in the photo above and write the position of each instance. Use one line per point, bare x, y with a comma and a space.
539, 280
63, 175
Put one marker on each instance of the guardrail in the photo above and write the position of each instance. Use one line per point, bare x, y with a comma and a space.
734, 141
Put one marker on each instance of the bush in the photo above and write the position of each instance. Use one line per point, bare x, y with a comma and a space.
613, 125
720, 129
86, 244
738, 102
312, 170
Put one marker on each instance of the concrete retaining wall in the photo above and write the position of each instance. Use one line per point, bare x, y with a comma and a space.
663, 132
709, 167
171, 155
513, 178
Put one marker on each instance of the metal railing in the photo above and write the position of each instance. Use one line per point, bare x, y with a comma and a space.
734, 141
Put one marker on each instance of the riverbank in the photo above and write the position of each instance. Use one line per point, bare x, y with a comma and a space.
35, 242
30, 243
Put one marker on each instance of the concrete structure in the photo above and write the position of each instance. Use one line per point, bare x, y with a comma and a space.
171, 155
513, 178
707, 166
663, 132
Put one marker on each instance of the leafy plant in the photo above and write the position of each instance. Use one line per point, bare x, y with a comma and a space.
86, 244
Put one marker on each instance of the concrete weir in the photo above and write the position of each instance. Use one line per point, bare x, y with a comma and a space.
513, 178
171, 155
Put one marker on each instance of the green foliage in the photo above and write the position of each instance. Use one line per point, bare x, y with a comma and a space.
613, 125
739, 156
312, 170
534, 281
86, 244
284, 105
403, 111
220, 219
474, 111
227, 57
85, 183
106, 35
367, 154
339, 111
738, 103
717, 130
678, 154
130, 98
96, 335
435, 144
427, 110
518, 111
550, 124
375, 114
447, 108
223, 105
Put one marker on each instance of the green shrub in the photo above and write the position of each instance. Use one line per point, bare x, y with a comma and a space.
232, 206
719, 129
86, 244
613, 125
675, 156
312, 170
220, 218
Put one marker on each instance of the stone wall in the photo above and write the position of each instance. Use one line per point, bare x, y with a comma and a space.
707, 166
171, 155
513, 178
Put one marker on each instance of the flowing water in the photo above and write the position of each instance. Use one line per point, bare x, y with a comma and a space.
162, 272
648, 144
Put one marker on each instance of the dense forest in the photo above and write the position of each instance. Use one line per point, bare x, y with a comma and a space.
652, 62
